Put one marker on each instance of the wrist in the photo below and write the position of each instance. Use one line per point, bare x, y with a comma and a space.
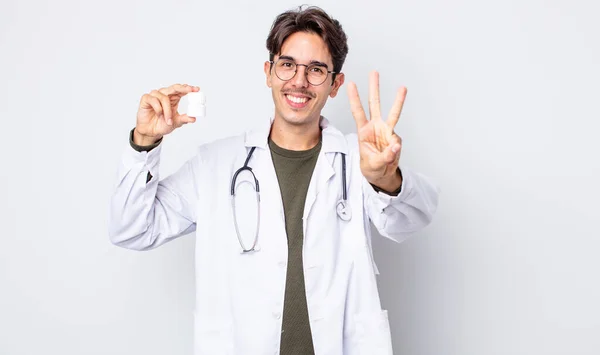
144, 140
388, 183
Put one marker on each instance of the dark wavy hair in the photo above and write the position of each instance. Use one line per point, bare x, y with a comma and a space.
311, 19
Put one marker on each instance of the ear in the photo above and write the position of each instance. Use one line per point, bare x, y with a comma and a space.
268, 72
337, 83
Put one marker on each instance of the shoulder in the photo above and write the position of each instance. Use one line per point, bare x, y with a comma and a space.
352, 145
220, 149
352, 142
335, 140
225, 143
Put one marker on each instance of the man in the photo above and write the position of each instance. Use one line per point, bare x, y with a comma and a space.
291, 270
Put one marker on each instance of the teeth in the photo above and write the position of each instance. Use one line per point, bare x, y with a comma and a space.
298, 100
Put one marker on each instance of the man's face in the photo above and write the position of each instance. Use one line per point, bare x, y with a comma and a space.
297, 101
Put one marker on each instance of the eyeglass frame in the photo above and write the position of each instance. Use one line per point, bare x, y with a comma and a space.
333, 73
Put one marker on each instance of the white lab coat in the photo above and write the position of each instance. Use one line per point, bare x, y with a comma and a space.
239, 298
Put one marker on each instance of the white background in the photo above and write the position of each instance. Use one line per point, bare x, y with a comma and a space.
502, 112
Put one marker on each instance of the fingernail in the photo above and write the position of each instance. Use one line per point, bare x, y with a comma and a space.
396, 148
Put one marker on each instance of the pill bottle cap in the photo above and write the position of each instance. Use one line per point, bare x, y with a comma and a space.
197, 97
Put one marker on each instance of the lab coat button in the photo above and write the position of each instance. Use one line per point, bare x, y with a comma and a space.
277, 315
282, 263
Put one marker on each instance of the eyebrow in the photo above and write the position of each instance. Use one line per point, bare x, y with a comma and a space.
315, 62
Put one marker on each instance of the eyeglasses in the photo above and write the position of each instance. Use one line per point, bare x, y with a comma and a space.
286, 69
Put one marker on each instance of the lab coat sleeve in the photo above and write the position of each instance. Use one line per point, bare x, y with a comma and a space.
397, 217
146, 214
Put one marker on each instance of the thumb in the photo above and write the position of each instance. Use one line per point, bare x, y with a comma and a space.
180, 120
390, 154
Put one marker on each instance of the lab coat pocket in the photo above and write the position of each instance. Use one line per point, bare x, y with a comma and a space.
326, 326
372, 334
213, 336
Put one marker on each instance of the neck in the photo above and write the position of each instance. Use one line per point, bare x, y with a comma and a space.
295, 137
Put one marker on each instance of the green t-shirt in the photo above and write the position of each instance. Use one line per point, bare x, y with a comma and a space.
294, 170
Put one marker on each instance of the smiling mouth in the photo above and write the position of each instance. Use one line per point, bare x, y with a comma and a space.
297, 101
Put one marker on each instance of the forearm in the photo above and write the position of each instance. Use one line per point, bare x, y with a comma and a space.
146, 212
396, 217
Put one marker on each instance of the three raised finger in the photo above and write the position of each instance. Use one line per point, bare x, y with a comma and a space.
396, 110
374, 99
356, 107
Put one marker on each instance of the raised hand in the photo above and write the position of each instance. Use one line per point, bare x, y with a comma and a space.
157, 114
379, 145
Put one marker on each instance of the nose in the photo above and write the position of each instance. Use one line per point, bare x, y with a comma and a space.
300, 79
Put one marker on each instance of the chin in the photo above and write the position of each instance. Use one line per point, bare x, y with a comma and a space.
297, 120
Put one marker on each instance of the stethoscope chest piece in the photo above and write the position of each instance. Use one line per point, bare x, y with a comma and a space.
343, 210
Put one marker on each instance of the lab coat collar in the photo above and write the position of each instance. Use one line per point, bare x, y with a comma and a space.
333, 140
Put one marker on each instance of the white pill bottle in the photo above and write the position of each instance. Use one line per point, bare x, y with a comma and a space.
196, 104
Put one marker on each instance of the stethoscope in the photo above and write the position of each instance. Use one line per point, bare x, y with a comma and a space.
342, 207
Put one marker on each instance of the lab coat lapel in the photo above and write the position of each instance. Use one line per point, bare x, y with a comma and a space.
333, 142
269, 185
321, 175
272, 214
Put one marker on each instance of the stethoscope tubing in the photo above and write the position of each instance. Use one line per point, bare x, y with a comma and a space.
344, 212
